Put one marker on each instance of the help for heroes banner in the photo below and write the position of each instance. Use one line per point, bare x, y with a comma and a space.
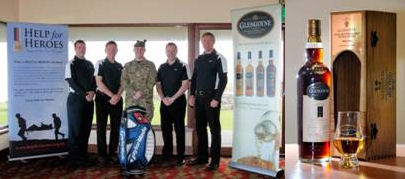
37, 55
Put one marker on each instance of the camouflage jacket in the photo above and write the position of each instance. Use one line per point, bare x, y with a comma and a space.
139, 76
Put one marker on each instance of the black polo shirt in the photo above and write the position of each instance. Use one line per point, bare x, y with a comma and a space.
171, 77
110, 73
79, 74
210, 73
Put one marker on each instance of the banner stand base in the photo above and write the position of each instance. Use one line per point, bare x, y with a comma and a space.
36, 156
277, 174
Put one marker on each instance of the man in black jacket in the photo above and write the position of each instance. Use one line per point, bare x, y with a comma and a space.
207, 85
80, 105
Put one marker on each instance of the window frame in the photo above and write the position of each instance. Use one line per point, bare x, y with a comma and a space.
4, 128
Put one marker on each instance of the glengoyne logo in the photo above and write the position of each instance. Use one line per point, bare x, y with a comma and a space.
255, 24
318, 91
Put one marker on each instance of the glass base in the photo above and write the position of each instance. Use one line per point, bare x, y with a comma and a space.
315, 160
349, 161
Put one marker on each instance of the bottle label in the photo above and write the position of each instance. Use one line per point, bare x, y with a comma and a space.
239, 76
316, 124
318, 69
313, 45
260, 75
318, 91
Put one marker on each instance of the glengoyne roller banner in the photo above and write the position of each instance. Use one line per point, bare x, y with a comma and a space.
258, 52
37, 91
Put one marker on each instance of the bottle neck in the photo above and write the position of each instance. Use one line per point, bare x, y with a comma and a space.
314, 51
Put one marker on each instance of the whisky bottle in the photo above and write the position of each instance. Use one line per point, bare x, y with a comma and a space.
249, 76
260, 76
314, 80
239, 76
271, 76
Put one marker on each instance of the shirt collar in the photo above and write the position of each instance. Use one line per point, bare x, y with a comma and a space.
108, 61
175, 62
77, 58
139, 60
212, 53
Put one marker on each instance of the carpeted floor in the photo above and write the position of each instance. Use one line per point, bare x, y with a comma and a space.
56, 167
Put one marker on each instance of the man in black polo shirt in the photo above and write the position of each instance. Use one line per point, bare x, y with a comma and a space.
80, 105
172, 82
207, 85
108, 101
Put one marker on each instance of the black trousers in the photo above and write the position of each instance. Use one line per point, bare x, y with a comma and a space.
103, 110
205, 114
80, 116
173, 114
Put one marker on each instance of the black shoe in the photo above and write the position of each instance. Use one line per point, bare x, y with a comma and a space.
197, 161
71, 165
102, 160
180, 162
112, 160
165, 158
211, 167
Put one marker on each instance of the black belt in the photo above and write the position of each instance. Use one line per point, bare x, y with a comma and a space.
205, 92
101, 93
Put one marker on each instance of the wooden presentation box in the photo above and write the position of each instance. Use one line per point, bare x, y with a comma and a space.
363, 51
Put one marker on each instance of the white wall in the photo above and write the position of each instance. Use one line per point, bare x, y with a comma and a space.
8, 10
131, 11
297, 14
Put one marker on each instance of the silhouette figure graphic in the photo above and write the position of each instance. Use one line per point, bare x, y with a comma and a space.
23, 126
57, 123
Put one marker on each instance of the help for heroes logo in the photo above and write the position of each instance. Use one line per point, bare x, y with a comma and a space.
37, 39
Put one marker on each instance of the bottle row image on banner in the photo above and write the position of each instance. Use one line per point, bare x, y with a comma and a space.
265, 78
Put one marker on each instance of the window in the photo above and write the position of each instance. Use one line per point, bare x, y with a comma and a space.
157, 38
3, 75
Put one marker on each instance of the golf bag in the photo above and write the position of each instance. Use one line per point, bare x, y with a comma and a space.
136, 141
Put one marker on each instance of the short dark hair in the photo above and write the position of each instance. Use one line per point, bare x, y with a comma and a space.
208, 34
171, 44
79, 42
111, 42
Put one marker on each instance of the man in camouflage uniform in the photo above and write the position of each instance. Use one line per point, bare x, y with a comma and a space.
138, 78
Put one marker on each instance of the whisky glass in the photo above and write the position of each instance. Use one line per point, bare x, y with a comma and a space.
349, 138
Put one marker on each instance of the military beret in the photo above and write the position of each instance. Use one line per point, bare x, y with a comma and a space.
140, 43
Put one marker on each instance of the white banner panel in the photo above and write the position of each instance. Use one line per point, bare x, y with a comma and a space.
37, 91
257, 37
